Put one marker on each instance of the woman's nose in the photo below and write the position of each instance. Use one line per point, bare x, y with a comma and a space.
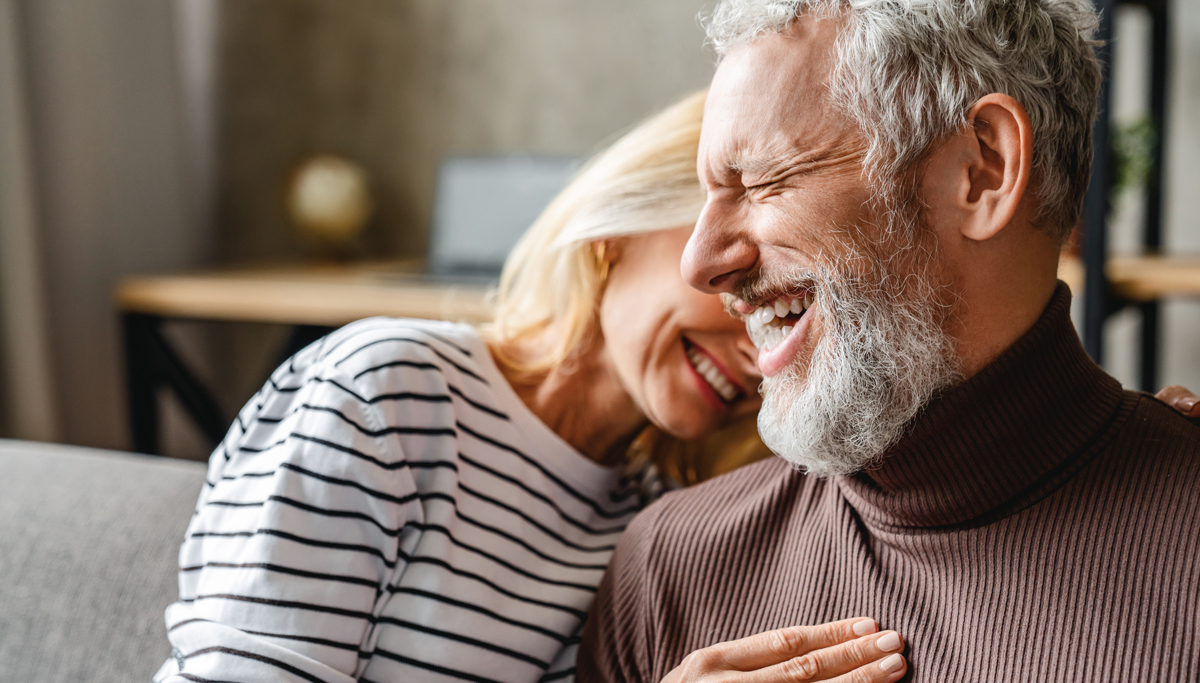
717, 255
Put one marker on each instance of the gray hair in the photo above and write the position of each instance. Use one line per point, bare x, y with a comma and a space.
908, 71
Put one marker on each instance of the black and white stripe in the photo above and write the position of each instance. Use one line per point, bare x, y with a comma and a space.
387, 509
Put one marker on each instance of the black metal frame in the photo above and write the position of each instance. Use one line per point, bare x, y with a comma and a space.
1099, 301
151, 365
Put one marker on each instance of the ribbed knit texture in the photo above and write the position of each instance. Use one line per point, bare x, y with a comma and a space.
1037, 523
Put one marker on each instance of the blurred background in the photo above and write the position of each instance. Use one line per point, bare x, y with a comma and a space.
160, 137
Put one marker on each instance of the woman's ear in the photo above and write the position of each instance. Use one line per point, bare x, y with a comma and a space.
998, 166
608, 252
608, 248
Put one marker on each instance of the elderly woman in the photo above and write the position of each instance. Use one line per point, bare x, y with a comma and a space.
411, 500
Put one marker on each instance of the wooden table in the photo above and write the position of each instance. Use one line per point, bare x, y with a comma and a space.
314, 299
330, 295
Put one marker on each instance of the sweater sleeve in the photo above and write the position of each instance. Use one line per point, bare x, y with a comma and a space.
618, 638
303, 523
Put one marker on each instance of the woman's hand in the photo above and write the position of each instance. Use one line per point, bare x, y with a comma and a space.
849, 651
1180, 399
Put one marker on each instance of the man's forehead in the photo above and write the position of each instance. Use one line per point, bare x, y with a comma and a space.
771, 93
795, 62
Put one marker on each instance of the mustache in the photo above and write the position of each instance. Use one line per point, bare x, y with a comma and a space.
762, 286
871, 271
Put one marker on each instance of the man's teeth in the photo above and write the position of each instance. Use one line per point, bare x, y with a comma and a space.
768, 326
714, 377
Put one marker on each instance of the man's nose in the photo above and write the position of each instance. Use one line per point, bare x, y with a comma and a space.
718, 255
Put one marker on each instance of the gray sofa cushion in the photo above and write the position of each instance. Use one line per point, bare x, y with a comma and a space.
89, 542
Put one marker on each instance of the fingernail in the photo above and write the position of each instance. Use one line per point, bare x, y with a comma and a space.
862, 628
892, 664
889, 642
1188, 404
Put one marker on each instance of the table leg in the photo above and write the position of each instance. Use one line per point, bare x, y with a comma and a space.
140, 382
151, 363
1148, 365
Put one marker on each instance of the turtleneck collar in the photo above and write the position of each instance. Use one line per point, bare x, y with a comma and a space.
996, 442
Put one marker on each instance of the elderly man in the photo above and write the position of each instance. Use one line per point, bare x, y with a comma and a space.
952, 463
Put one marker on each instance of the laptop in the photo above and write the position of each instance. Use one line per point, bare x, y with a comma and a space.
482, 206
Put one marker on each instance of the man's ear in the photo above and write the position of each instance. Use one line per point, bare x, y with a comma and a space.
1000, 163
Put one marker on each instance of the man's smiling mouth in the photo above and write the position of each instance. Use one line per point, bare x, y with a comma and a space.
770, 323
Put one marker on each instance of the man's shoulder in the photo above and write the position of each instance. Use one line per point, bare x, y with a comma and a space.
1156, 433
1152, 460
1153, 415
747, 480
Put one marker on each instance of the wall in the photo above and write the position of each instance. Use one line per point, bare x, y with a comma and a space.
110, 186
397, 85
27, 409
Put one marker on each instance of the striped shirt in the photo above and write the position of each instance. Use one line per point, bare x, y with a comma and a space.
387, 509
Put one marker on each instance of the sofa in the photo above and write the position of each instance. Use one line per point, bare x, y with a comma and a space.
89, 541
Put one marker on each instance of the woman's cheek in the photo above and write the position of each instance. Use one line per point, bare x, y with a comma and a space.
689, 410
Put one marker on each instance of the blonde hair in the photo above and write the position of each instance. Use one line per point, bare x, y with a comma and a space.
551, 284
644, 182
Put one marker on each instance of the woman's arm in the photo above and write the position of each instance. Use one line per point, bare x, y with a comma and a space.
299, 530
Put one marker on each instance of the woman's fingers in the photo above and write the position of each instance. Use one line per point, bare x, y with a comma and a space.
774, 647
887, 670
766, 649
871, 659
1180, 399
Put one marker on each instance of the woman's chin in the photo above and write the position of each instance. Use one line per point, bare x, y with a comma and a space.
690, 433
691, 427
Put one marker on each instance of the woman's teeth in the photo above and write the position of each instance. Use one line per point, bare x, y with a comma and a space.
715, 378
772, 322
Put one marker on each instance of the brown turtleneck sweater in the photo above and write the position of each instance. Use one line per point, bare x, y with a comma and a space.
1037, 523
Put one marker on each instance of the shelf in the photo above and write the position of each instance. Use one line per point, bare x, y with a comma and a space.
1141, 278
1148, 278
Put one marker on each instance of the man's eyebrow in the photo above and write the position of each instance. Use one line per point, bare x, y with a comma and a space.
766, 170
774, 169
750, 166
746, 166
765, 167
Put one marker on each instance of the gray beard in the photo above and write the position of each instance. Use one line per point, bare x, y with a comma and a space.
882, 356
